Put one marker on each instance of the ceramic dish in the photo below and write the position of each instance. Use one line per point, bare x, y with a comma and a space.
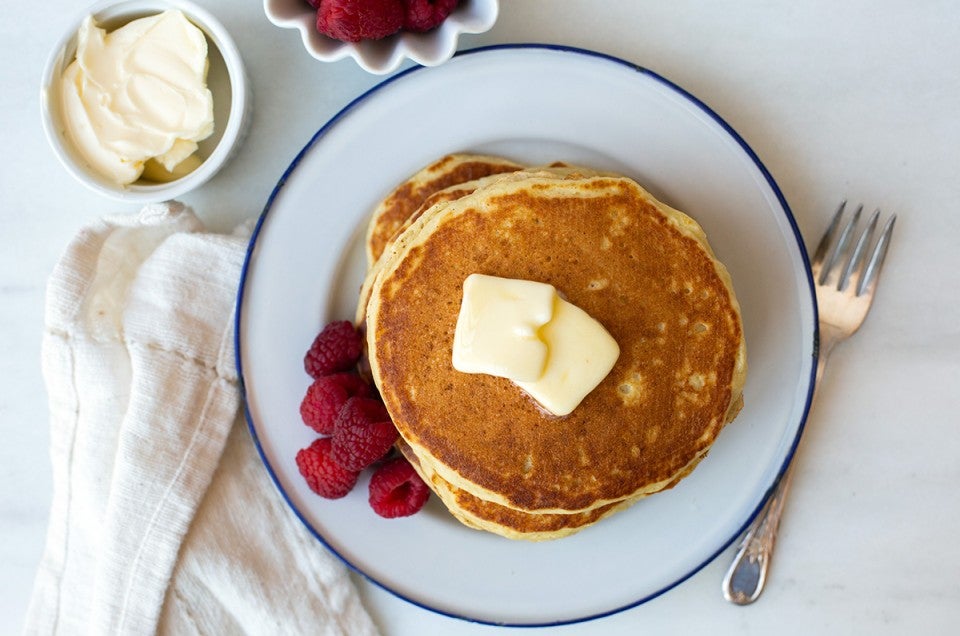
534, 104
386, 55
226, 79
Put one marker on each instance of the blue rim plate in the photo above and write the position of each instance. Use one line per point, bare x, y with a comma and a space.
534, 104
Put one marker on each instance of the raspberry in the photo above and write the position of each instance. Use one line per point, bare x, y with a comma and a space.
324, 476
336, 348
326, 396
423, 15
396, 489
362, 434
355, 20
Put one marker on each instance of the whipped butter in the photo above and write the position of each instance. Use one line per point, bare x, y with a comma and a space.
138, 94
524, 331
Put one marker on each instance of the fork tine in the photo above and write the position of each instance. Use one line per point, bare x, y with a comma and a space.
869, 280
841, 246
859, 256
821, 252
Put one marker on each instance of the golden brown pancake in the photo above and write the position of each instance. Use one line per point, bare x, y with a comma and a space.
509, 522
557, 169
450, 193
450, 170
641, 268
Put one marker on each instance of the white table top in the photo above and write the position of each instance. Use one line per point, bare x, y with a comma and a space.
840, 100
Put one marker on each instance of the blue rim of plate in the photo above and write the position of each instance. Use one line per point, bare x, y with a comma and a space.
575, 51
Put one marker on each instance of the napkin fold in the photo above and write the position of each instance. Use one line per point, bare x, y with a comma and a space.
163, 519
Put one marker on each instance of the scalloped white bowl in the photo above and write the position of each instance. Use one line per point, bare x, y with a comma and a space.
384, 56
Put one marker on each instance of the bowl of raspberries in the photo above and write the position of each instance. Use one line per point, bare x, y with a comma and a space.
381, 34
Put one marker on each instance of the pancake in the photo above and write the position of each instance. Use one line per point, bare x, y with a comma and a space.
514, 524
644, 270
509, 522
458, 190
450, 170
450, 193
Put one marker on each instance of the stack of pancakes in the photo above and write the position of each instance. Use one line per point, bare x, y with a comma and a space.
496, 458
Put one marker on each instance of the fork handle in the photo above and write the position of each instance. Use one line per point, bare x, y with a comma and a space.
747, 574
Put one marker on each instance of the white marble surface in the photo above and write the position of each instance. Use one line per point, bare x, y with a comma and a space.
858, 99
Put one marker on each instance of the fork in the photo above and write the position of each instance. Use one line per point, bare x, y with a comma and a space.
846, 282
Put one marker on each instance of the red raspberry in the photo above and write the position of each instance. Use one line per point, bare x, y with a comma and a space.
396, 489
355, 20
363, 433
326, 396
336, 348
324, 476
423, 15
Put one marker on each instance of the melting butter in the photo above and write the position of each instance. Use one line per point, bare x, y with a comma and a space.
524, 331
498, 328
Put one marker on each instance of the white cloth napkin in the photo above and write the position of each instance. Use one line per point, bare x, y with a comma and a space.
163, 519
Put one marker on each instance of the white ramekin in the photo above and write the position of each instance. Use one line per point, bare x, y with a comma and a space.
226, 79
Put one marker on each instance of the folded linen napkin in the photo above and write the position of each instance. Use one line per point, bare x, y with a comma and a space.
163, 520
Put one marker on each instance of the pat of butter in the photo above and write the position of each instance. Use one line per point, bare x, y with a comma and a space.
497, 330
523, 331
581, 354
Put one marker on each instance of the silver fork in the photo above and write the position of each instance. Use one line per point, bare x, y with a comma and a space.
846, 281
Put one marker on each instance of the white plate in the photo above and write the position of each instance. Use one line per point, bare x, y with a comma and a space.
534, 104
